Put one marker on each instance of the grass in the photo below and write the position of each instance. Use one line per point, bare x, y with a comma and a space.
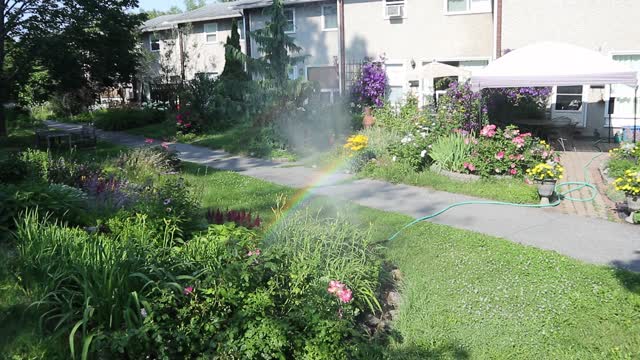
464, 295
471, 295
509, 190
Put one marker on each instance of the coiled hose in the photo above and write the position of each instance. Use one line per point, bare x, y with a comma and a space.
562, 196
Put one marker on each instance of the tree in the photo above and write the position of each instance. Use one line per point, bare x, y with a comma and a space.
81, 44
276, 46
194, 4
151, 14
233, 64
19, 17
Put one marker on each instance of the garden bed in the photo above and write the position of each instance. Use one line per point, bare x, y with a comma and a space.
456, 176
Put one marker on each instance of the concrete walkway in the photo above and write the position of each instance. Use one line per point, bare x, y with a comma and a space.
589, 239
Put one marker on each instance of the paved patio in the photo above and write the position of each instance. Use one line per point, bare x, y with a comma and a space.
586, 238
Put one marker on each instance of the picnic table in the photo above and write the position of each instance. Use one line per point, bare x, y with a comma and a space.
52, 137
561, 129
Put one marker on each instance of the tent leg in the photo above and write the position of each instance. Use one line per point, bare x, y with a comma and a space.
635, 113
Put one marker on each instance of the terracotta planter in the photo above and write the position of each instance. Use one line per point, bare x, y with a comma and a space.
633, 203
368, 119
546, 188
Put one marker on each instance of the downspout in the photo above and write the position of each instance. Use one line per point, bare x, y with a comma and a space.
247, 32
182, 60
343, 64
497, 24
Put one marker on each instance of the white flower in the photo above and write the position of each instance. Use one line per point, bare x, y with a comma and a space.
405, 140
423, 153
423, 134
394, 158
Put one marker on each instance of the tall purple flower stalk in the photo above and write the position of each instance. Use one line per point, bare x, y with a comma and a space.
369, 89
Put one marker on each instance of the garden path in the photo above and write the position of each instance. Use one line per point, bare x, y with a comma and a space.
589, 239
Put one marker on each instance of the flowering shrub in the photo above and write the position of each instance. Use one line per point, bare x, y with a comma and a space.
185, 124
524, 102
371, 84
239, 217
626, 151
356, 143
546, 171
462, 108
629, 183
156, 105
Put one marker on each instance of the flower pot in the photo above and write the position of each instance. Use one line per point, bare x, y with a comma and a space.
633, 203
368, 119
546, 188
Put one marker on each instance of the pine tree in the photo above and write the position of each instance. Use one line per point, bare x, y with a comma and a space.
233, 65
276, 46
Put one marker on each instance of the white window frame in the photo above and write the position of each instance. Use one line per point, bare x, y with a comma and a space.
386, 3
151, 41
293, 11
323, 17
206, 34
469, 9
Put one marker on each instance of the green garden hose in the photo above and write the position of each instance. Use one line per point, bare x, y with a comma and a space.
562, 195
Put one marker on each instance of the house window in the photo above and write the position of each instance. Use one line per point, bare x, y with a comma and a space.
569, 98
325, 76
329, 17
624, 95
468, 6
154, 43
211, 32
208, 75
290, 14
293, 73
394, 9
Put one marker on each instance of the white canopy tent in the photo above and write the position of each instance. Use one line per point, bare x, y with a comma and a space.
553, 64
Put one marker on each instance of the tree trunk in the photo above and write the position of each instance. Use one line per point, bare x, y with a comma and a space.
3, 85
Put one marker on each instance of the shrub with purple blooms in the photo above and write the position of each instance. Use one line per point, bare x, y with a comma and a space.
506, 104
370, 86
461, 107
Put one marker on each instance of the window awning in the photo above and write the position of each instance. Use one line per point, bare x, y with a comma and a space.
553, 64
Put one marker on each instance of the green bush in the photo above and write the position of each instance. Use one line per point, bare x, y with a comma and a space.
143, 163
228, 294
380, 140
59, 201
13, 170
401, 120
450, 152
617, 166
122, 119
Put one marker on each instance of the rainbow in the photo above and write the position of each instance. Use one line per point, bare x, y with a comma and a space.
323, 177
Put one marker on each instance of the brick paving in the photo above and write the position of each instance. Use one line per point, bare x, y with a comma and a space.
574, 163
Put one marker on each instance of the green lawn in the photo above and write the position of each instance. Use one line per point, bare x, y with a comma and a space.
476, 296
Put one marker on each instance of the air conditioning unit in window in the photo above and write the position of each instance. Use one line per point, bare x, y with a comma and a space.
394, 11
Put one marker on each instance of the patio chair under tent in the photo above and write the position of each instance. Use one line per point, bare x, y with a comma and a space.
550, 64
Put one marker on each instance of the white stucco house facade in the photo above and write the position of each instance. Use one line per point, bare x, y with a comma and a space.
410, 34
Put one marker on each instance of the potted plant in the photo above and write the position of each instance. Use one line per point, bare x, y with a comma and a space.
546, 175
630, 185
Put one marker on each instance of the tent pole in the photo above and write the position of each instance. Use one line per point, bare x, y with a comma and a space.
635, 113
609, 111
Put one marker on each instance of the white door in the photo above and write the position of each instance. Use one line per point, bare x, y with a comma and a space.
570, 102
396, 77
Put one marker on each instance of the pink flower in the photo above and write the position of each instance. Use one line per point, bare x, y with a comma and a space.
187, 125
345, 295
513, 165
148, 141
179, 118
519, 141
179, 122
255, 252
188, 290
545, 154
526, 134
513, 171
334, 286
165, 145
488, 131
500, 155
466, 141
470, 167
